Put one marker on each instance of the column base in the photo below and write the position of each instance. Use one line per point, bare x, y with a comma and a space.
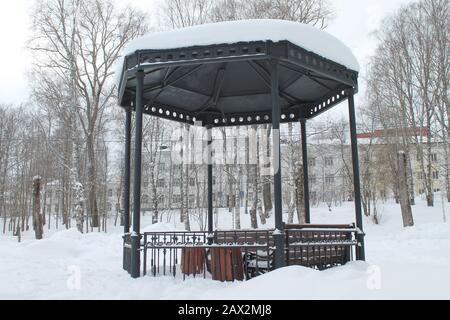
135, 268
280, 254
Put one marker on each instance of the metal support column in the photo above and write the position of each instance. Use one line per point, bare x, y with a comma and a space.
126, 178
279, 236
135, 235
360, 254
305, 171
126, 190
210, 184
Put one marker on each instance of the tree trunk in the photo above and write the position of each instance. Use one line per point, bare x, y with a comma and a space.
93, 207
187, 223
429, 178
153, 181
262, 214
412, 195
2, 191
299, 193
79, 208
254, 179
267, 189
247, 171
292, 189
404, 194
185, 181
37, 216
447, 173
237, 196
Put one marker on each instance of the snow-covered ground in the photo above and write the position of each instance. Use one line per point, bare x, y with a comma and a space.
402, 263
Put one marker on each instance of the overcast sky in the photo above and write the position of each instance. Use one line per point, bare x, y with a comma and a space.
354, 24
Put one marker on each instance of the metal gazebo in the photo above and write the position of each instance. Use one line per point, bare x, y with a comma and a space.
235, 84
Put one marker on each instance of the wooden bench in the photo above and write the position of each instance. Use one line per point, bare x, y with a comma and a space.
244, 237
192, 260
258, 262
226, 264
256, 253
319, 246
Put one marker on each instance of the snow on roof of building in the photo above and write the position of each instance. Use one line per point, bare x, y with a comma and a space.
302, 35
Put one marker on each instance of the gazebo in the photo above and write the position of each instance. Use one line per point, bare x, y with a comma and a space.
236, 74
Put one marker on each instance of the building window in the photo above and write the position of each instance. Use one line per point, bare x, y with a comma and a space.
109, 206
110, 193
56, 208
145, 183
145, 199
312, 162
191, 199
192, 182
329, 179
328, 161
176, 198
312, 179
161, 183
435, 175
433, 157
176, 182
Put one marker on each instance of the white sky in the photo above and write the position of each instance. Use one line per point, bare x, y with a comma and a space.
355, 21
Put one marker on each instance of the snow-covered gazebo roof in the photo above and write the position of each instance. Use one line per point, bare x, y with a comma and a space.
219, 73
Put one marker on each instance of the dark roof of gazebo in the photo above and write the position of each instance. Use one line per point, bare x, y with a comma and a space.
229, 84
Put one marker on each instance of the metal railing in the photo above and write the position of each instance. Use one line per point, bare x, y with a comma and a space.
320, 246
226, 255
167, 247
243, 254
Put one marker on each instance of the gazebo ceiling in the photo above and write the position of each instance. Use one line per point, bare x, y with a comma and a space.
229, 84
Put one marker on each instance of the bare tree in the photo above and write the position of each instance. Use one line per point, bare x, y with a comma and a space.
153, 133
79, 41
407, 71
8, 128
439, 12
314, 12
185, 13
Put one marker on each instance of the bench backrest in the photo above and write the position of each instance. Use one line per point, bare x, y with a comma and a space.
245, 237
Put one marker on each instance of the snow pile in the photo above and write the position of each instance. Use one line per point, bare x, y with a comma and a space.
411, 263
305, 36
296, 282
